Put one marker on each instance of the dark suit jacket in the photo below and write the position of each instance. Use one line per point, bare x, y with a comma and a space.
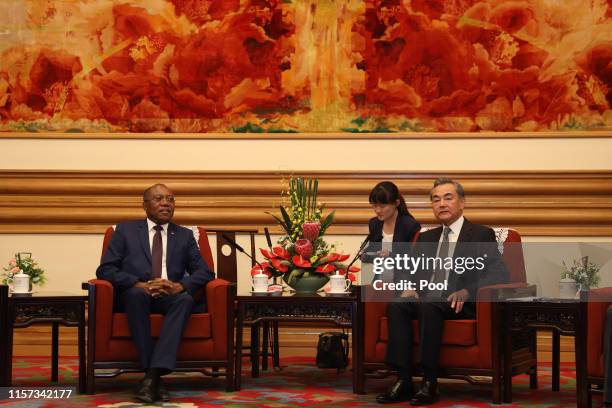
405, 229
127, 259
474, 241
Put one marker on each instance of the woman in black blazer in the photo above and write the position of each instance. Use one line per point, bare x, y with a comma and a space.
393, 223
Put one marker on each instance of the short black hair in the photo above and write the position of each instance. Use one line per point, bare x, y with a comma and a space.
445, 180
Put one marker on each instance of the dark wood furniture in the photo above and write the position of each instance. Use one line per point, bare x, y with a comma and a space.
57, 308
563, 317
343, 310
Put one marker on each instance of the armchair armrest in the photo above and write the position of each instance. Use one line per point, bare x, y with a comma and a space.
220, 296
99, 308
505, 291
373, 311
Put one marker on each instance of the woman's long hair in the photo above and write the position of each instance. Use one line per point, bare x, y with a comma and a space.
386, 192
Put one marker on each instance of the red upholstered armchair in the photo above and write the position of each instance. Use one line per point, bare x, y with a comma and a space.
208, 340
595, 304
470, 347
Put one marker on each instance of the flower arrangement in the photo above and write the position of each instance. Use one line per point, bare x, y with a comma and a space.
23, 262
583, 272
302, 251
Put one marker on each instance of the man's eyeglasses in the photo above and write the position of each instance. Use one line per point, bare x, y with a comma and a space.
160, 198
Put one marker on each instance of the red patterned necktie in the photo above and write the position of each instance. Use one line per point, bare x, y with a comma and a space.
156, 253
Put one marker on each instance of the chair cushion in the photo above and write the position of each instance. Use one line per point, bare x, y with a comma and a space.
456, 332
198, 326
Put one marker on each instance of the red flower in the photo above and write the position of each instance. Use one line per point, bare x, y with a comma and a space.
281, 252
257, 269
303, 247
352, 270
300, 262
343, 257
333, 257
278, 264
326, 268
266, 253
352, 277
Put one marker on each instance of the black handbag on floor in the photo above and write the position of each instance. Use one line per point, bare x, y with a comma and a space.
332, 350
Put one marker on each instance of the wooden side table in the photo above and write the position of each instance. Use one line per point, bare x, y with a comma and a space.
563, 317
57, 308
344, 310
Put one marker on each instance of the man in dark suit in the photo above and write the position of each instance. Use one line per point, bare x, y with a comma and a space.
456, 238
155, 267
608, 360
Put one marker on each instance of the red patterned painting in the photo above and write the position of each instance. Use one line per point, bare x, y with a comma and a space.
304, 66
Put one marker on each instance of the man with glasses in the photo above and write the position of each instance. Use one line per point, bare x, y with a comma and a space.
155, 266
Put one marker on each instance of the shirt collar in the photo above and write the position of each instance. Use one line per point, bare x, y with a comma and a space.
456, 226
151, 224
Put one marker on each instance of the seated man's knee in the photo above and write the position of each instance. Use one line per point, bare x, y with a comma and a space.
428, 308
185, 298
609, 314
136, 294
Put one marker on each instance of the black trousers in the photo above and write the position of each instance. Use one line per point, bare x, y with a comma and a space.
139, 305
431, 316
608, 357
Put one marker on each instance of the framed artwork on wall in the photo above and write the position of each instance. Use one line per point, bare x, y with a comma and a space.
305, 68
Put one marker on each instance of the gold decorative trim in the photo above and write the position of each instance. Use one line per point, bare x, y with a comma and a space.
554, 203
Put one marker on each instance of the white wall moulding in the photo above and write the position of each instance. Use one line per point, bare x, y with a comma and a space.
554, 203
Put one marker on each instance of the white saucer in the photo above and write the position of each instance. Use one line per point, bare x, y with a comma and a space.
21, 293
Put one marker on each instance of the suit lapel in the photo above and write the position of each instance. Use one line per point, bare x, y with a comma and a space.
464, 236
377, 231
397, 231
171, 242
143, 237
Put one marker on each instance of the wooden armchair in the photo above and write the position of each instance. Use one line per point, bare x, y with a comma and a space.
208, 340
470, 347
595, 303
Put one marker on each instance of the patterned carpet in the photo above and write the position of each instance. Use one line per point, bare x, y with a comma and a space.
299, 384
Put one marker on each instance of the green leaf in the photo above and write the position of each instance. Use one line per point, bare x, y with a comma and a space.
287, 219
326, 222
315, 194
280, 222
293, 275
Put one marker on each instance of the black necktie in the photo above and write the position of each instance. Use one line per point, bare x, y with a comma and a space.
157, 252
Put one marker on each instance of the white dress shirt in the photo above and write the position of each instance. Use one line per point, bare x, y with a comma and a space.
164, 237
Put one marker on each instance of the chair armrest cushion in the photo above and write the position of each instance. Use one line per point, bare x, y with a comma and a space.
220, 304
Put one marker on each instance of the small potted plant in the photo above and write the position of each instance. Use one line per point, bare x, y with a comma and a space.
585, 273
23, 263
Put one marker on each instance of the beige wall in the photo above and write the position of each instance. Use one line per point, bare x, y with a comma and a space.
70, 259
287, 155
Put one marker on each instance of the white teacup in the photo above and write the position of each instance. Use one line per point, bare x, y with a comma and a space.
21, 283
338, 284
260, 283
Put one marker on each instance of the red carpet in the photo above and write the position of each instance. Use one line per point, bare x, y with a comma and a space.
299, 384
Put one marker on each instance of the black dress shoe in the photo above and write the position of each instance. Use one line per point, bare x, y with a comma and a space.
401, 390
162, 392
427, 394
147, 390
